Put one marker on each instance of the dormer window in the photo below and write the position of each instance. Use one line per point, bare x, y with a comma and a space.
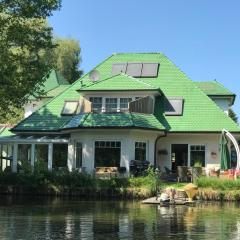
96, 104
111, 104
70, 107
124, 104
173, 106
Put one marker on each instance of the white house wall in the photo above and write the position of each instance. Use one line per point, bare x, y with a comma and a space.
211, 142
127, 138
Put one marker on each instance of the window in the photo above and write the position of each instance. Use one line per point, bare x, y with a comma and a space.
124, 103
96, 104
111, 104
150, 70
119, 68
70, 107
107, 153
140, 151
173, 106
60, 156
134, 69
197, 155
78, 154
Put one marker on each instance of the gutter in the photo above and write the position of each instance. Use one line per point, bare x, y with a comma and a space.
155, 147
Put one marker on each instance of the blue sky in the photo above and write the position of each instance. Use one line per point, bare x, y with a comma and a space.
201, 37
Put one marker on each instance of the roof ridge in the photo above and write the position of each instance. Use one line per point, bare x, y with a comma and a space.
120, 53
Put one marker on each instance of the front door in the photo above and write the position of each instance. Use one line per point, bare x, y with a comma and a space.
179, 155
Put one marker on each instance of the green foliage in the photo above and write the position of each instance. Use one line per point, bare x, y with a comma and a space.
24, 34
66, 58
232, 115
218, 183
12, 117
63, 179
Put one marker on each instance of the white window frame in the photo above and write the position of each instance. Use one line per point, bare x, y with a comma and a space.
189, 152
134, 98
147, 148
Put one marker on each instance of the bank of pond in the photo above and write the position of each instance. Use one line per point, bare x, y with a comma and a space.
84, 186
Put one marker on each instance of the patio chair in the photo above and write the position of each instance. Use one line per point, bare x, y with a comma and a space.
183, 174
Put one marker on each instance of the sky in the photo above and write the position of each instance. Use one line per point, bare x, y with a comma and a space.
201, 37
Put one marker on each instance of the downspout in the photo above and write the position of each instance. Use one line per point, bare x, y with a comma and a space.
155, 147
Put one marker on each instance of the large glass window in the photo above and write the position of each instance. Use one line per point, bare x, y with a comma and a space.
140, 151
60, 155
197, 156
96, 103
41, 153
107, 153
6, 156
78, 154
124, 103
111, 104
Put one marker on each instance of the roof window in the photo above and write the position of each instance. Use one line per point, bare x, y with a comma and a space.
136, 69
70, 107
173, 106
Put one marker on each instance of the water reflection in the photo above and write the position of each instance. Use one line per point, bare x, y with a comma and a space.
43, 218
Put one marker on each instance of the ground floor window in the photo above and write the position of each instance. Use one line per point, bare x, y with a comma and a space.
6, 155
41, 153
107, 153
78, 154
140, 151
197, 156
60, 155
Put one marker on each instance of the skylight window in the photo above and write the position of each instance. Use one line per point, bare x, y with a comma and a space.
150, 70
173, 106
119, 68
70, 107
134, 69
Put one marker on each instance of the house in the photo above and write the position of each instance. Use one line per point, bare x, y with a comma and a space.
132, 106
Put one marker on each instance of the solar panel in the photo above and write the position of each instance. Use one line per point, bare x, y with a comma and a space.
173, 106
119, 68
134, 69
70, 107
150, 70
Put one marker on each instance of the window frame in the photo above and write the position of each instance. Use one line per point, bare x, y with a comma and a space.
124, 109
97, 110
111, 109
103, 144
75, 153
146, 150
175, 113
197, 150
64, 106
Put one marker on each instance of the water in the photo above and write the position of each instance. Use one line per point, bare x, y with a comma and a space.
41, 218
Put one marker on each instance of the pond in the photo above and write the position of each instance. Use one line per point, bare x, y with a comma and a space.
43, 218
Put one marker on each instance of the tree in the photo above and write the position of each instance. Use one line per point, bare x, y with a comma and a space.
66, 58
24, 36
232, 115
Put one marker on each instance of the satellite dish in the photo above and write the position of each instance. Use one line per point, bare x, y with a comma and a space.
94, 75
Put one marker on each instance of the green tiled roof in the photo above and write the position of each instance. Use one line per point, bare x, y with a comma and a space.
213, 88
114, 120
119, 82
5, 132
200, 113
54, 83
